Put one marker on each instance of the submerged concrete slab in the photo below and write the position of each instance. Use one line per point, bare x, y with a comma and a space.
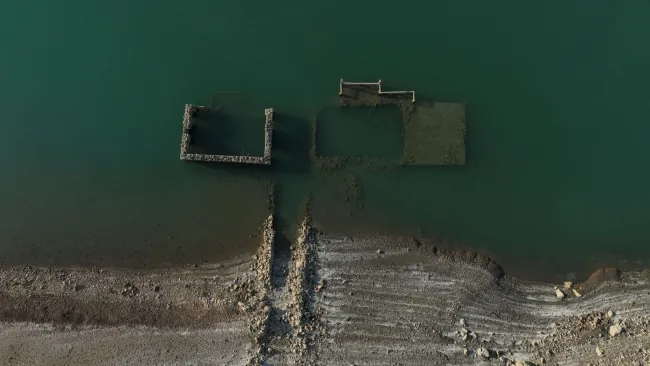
435, 134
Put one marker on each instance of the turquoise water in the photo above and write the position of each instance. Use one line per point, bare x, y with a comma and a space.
92, 96
359, 132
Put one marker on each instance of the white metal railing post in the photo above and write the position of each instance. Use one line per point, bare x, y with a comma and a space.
379, 91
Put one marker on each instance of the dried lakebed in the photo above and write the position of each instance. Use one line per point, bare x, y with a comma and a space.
331, 300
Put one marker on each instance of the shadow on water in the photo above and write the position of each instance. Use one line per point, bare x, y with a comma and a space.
290, 159
291, 144
259, 172
223, 132
213, 134
360, 132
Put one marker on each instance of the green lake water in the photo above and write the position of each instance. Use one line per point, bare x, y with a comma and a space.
92, 97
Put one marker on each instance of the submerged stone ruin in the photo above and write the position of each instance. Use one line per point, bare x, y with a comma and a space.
188, 129
433, 132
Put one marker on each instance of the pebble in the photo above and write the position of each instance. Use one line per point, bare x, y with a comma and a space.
568, 285
462, 322
559, 293
615, 330
483, 352
610, 314
379, 251
576, 293
465, 352
599, 352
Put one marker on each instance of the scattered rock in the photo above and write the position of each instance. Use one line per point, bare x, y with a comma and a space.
320, 286
483, 352
576, 293
559, 293
129, 290
615, 330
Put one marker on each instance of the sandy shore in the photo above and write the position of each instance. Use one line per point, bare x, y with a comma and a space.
330, 300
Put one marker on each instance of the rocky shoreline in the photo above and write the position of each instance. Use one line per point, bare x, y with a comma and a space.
332, 300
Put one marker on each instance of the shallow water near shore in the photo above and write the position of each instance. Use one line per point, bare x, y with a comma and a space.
93, 95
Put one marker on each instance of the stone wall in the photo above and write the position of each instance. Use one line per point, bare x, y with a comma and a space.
268, 133
186, 141
224, 158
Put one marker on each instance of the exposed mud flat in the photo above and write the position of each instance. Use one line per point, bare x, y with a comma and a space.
193, 297
31, 344
396, 301
126, 317
202, 314
331, 300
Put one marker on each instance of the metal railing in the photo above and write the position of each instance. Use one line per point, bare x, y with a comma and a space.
379, 91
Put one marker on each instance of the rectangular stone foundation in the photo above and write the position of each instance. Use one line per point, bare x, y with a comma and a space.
435, 134
186, 141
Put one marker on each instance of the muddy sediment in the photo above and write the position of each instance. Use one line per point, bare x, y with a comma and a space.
332, 300
190, 297
353, 190
72, 316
